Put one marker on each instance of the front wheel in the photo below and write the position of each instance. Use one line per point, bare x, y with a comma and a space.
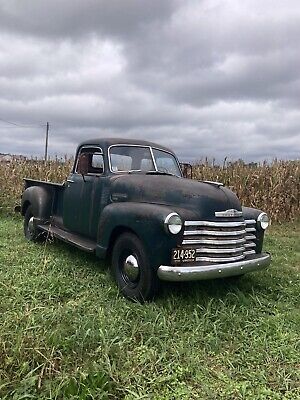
131, 269
31, 231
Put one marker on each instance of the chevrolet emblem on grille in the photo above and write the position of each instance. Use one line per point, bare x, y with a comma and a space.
229, 213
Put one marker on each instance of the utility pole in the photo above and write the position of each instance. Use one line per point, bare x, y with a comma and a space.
46, 144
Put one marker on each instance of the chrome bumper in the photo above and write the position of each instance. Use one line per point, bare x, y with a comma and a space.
202, 272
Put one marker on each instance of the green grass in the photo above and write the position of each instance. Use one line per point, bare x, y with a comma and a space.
66, 333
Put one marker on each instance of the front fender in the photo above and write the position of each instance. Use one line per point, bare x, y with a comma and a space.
146, 221
40, 200
250, 213
253, 213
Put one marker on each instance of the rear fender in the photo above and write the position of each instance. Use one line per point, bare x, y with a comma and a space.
40, 199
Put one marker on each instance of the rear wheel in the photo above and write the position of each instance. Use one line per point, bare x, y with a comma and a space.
31, 231
131, 269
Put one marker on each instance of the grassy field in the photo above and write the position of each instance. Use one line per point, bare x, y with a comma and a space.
65, 333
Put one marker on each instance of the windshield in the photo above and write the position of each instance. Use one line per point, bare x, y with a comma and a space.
130, 158
125, 158
166, 162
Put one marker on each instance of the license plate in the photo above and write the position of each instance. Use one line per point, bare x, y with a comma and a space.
185, 255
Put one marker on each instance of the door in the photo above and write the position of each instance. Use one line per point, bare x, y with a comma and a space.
83, 193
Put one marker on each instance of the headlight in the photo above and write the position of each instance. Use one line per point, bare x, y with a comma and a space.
173, 223
263, 221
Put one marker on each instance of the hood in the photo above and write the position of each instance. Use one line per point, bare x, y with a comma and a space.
201, 198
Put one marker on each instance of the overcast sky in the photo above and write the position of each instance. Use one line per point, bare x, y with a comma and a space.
209, 78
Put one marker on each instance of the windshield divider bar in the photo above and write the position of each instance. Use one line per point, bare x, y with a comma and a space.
153, 159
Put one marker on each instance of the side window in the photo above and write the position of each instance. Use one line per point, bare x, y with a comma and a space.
97, 162
94, 158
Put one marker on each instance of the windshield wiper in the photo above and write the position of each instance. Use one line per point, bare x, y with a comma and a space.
161, 173
133, 171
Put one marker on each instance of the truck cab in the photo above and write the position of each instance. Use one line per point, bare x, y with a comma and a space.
127, 200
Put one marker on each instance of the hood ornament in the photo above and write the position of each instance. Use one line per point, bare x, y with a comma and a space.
232, 213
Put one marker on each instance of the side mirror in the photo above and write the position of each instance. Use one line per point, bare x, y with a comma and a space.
83, 164
187, 170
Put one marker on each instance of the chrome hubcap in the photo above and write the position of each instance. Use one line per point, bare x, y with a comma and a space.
131, 268
31, 225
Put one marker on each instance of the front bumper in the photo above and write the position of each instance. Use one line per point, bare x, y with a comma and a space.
203, 272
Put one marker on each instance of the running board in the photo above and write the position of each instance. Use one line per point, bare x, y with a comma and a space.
72, 238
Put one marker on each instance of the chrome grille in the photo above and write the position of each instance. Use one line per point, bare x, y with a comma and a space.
220, 241
250, 237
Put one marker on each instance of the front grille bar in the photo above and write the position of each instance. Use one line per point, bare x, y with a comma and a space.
216, 224
220, 259
218, 242
251, 244
250, 237
215, 233
220, 250
250, 221
249, 252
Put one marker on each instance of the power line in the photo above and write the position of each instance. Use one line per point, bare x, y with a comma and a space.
17, 125
23, 125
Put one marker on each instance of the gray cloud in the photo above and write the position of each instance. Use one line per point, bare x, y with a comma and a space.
207, 78
76, 18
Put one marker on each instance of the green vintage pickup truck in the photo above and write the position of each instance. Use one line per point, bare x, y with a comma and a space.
128, 201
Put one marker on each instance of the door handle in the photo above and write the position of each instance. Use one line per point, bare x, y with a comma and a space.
70, 181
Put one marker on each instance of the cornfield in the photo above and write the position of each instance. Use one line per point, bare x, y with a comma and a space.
273, 187
13, 172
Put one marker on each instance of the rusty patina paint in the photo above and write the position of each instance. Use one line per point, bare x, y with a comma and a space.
97, 207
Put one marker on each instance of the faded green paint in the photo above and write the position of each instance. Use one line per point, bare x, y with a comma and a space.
98, 206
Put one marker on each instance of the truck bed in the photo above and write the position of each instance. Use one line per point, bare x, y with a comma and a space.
55, 192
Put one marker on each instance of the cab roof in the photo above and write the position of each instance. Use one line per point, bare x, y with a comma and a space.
106, 142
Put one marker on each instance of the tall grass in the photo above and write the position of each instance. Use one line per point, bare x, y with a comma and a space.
13, 172
273, 187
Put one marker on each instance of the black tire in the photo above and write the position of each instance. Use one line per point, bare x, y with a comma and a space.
139, 282
31, 232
